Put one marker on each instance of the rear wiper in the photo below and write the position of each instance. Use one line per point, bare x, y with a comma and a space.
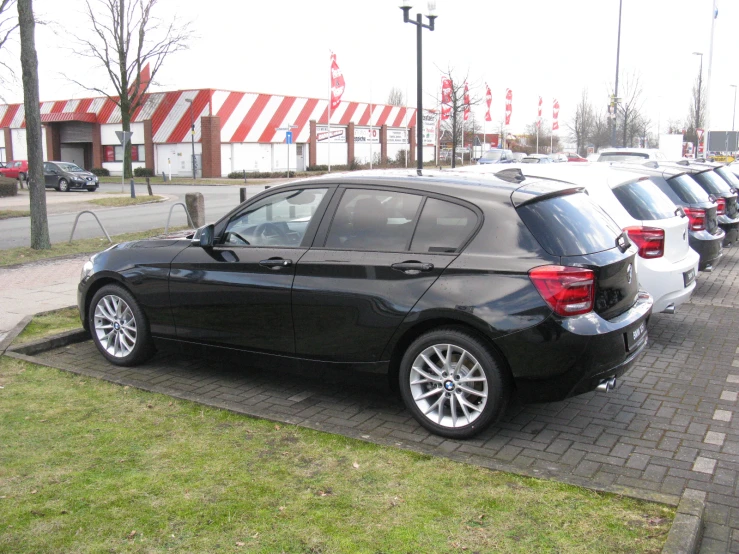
622, 242
679, 211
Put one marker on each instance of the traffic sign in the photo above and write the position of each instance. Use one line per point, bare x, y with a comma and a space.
124, 136
699, 132
289, 137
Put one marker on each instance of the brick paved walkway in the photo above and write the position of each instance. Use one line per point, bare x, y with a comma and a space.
671, 424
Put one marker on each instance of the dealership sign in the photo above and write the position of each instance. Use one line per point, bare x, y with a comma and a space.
367, 135
397, 136
338, 134
429, 128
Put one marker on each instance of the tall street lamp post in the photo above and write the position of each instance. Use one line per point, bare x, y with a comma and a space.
733, 118
192, 136
698, 124
406, 7
614, 102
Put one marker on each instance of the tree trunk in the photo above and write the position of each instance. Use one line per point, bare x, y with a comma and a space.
455, 132
126, 126
29, 62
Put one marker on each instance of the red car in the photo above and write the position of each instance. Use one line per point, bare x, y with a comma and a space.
575, 158
17, 169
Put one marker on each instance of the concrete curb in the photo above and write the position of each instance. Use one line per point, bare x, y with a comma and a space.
14, 332
49, 343
687, 528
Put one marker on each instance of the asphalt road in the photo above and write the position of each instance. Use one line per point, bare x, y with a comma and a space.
218, 201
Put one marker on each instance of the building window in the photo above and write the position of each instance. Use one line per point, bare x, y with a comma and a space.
115, 153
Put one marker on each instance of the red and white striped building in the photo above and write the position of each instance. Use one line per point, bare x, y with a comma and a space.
234, 131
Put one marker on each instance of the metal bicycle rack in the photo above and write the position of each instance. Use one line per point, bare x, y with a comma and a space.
76, 219
189, 220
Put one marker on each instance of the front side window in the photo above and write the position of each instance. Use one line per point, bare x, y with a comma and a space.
279, 220
374, 220
443, 227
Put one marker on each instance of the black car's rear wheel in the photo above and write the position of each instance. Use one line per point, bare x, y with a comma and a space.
63, 185
452, 383
119, 327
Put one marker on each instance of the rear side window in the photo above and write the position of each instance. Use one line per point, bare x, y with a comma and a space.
374, 220
644, 201
570, 225
729, 177
687, 189
443, 227
712, 183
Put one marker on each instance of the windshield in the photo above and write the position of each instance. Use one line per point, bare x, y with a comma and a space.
712, 183
72, 168
492, 154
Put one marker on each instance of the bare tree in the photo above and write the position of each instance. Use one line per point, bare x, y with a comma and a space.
29, 63
696, 111
547, 140
125, 37
456, 126
581, 126
396, 97
629, 108
601, 134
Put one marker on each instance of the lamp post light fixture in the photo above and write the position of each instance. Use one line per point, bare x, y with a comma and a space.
420, 25
192, 136
733, 118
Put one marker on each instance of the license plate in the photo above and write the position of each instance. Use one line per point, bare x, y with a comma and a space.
636, 335
689, 277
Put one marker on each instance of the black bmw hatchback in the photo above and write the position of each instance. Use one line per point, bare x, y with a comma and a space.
464, 288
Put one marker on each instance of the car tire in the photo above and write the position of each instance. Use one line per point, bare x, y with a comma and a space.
470, 398
119, 327
63, 186
21, 177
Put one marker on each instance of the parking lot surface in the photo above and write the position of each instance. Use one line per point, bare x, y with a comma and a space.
670, 425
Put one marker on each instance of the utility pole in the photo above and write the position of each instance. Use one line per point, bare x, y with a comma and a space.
615, 91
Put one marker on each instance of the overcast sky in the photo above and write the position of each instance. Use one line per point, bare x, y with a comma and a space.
535, 47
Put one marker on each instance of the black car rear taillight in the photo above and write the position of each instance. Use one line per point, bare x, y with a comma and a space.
721, 208
567, 290
697, 217
650, 240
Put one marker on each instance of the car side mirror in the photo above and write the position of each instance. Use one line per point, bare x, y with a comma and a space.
206, 236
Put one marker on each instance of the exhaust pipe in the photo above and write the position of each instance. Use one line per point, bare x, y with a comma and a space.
606, 385
708, 268
671, 309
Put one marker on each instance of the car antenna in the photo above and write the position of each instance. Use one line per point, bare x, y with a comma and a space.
512, 175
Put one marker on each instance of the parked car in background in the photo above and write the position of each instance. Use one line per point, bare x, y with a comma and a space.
704, 234
558, 158
572, 157
65, 176
518, 156
496, 156
463, 287
16, 169
537, 159
727, 211
636, 155
666, 265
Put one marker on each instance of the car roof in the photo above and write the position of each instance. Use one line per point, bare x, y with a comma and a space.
459, 184
652, 167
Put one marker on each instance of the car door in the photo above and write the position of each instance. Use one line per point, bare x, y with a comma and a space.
237, 292
50, 176
369, 265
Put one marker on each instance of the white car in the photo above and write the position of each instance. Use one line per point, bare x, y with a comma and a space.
636, 155
666, 265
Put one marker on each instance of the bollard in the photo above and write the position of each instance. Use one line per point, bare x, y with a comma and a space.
196, 207
148, 186
245, 176
242, 195
164, 177
133, 190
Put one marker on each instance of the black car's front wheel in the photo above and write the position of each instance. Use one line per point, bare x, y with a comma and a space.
63, 185
119, 327
452, 383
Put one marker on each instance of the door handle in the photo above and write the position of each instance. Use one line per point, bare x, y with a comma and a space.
412, 266
276, 263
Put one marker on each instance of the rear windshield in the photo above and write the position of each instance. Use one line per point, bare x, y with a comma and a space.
712, 183
644, 201
687, 189
622, 156
492, 154
570, 225
729, 177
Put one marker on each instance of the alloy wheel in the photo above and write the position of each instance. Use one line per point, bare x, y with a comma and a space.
448, 385
115, 326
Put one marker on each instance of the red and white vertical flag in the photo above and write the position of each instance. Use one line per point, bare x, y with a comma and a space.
488, 101
466, 102
337, 83
508, 105
538, 116
446, 98
555, 115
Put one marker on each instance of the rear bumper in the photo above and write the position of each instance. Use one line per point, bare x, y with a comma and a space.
708, 247
563, 357
730, 228
664, 279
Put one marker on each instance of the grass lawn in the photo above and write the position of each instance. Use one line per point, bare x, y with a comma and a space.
7, 214
88, 466
50, 323
125, 201
22, 255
